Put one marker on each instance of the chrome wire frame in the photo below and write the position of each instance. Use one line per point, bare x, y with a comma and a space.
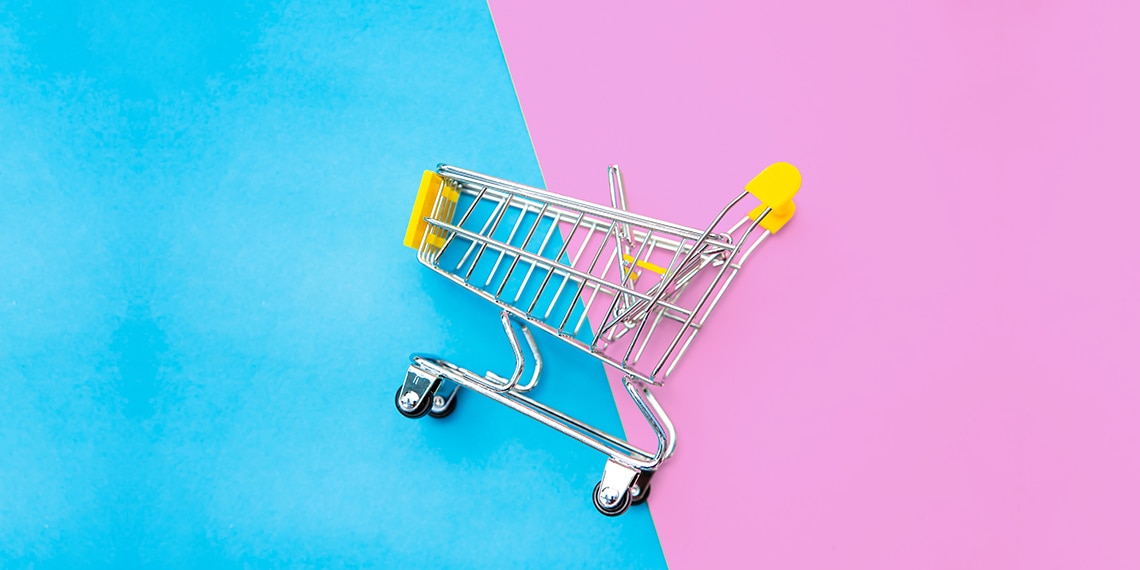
642, 295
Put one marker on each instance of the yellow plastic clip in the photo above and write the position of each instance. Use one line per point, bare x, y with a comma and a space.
432, 187
774, 187
644, 264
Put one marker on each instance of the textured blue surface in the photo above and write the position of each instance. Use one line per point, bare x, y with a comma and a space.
205, 309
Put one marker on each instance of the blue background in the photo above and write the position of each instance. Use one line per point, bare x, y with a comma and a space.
205, 308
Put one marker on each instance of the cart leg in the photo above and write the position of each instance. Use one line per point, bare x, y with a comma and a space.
501, 384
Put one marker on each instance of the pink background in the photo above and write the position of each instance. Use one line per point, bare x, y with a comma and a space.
935, 364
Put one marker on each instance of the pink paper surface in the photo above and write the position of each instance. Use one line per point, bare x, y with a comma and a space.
935, 364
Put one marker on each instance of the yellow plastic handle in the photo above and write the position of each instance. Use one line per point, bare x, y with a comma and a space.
775, 187
432, 187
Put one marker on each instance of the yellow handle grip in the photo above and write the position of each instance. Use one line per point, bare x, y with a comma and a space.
775, 187
432, 186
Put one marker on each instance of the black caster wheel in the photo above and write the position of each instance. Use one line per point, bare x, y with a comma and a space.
421, 409
621, 506
448, 407
643, 495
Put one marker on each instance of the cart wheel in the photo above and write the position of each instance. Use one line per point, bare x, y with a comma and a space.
422, 407
642, 495
620, 507
448, 406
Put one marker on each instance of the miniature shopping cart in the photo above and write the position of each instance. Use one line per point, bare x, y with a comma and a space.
551, 262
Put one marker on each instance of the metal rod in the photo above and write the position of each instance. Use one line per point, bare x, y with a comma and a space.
483, 245
708, 291
550, 272
526, 241
530, 270
505, 186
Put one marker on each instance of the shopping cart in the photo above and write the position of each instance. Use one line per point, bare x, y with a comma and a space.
550, 262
